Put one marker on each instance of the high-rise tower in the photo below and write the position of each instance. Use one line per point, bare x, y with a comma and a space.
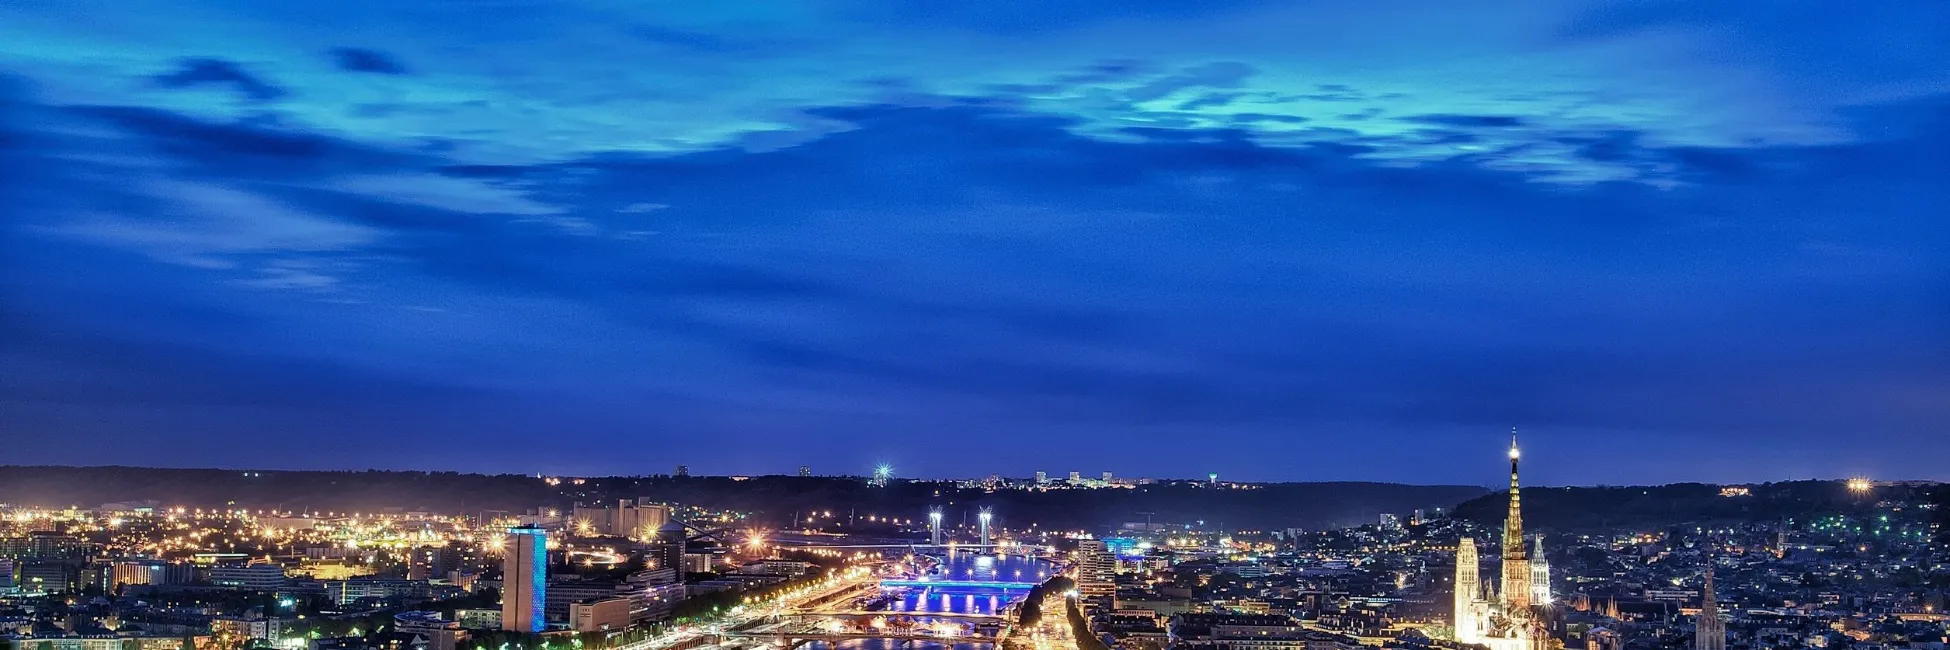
524, 578
1467, 587
1516, 560
1710, 633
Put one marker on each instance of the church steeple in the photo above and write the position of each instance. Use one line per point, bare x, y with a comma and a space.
1516, 559
1513, 524
1709, 632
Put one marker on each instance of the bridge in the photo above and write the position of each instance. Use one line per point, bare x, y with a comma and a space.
964, 584
858, 613
787, 639
797, 543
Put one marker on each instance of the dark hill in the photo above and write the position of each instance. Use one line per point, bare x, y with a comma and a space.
1646, 507
772, 498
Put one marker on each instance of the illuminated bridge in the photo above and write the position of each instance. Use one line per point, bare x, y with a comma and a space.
788, 639
959, 616
961, 584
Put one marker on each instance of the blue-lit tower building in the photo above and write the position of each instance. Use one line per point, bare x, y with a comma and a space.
524, 579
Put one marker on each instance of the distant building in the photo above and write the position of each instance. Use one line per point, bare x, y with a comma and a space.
48, 577
422, 622
654, 594
524, 580
45, 546
651, 595
779, 567
1042, 477
253, 628
429, 562
446, 639
600, 615
626, 519
346, 592
682, 470
262, 576
478, 619
667, 545
1096, 569
150, 572
805, 471
1253, 632
1390, 521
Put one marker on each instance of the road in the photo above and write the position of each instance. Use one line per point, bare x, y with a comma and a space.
1052, 629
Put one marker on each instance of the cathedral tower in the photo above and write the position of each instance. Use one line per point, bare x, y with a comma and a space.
1516, 559
1467, 588
1540, 574
1710, 633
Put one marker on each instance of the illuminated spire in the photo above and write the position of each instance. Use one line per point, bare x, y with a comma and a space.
1517, 594
1709, 632
1513, 547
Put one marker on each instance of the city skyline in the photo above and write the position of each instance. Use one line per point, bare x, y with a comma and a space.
873, 476
1339, 240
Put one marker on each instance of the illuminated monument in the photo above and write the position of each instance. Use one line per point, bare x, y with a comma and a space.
1511, 620
1711, 632
1540, 575
524, 578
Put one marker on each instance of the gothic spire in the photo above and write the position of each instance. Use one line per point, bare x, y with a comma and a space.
1513, 546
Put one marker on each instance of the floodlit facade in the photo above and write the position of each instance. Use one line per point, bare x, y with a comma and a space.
1509, 620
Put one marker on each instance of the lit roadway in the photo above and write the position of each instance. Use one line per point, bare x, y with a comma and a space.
1052, 629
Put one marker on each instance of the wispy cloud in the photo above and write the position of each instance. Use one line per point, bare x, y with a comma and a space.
1335, 220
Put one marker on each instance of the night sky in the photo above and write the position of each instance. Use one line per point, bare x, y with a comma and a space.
1281, 240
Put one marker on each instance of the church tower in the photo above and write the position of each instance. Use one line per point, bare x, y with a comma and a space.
1710, 633
1510, 620
1467, 588
1516, 559
1540, 574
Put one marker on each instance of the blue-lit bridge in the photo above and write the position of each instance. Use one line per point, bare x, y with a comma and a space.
956, 584
871, 614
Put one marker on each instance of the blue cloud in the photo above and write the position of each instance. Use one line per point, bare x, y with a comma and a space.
1492, 121
202, 72
356, 59
999, 223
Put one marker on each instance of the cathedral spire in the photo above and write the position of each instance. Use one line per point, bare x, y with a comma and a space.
1516, 558
1709, 632
1513, 524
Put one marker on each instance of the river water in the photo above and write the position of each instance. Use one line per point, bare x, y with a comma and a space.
963, 566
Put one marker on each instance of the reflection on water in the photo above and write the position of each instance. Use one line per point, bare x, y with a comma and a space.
891, 644
961, 565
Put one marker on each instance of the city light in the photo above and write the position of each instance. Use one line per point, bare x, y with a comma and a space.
755, 540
